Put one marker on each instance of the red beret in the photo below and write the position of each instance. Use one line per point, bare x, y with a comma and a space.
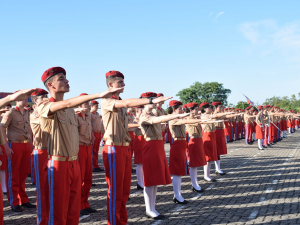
225, 108
160, 94
154, 95
83, 94
51, 72
191, 105
184, 106
8, 105
203, 104
39, 92
293, 111
242, 110
94, 102
174, 102
260, 107
148, 95
114, 73
237, 109
216, 103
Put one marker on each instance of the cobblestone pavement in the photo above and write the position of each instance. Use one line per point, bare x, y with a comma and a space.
261, 187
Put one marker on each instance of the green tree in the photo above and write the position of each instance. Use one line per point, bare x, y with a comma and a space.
241, 105
206, 92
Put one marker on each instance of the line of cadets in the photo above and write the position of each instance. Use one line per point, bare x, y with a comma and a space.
65, 144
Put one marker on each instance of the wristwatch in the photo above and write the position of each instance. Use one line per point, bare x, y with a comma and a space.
150, 100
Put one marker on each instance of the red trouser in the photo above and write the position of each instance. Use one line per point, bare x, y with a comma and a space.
117, 163
40, 162
95, 151
17, 172
131, 133
63, 191
1, 206
85, 163
32, 170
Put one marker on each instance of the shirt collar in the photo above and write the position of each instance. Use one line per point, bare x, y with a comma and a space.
79, 114
52, 99
18, 109
114, 97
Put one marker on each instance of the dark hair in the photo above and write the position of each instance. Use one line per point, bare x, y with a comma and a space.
171, 109
215, 107
203, 108
187, 110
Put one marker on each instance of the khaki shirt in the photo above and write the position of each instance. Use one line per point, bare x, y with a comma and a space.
247, 118
40, 134
118, 118
209, 127
148, 128
177, 131
17, 125
96, 121
159, 112
131, 120
219, 124
193, 129
64, 138
84, 128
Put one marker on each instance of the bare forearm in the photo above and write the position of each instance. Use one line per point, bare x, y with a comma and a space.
162, 119
131, 102
188, 121
4, 101
133, 125
4, 136
72, 102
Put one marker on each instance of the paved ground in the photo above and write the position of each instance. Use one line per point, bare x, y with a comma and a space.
261, 187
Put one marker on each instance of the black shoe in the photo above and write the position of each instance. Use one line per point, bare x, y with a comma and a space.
97, 170
178, 202
261, 149
264, 146
17, 209
199, 191
269, 145
84, 212
94, 185
138, 187
5, 193
272, 143
133, 171
159, 217
33, 183
212, 180
217, 172
90, 210
29, 175
29, 205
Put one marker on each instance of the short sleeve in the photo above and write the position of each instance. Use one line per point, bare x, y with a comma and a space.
6, 119
145, 120
108, 104
44, 110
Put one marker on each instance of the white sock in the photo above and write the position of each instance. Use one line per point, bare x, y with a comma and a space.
177, 188
154, 199
206, 169
139, 174
148, 196
193, 175
3, 180
218, 167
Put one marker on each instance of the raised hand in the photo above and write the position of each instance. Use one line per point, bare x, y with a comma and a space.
110, 92
161, 99
22, 94
183, 115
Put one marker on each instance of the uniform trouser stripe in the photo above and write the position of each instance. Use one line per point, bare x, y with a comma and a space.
32, 172
110, 188
50, 181
11, 197
246, 139
115, 185
38, 186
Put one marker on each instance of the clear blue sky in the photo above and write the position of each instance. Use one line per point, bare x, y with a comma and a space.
160, 46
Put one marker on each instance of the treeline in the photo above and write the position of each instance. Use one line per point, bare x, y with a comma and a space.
215, 92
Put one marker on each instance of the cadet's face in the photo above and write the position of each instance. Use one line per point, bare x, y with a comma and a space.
208, 110
22, 103
86, 105
94, 107
118, 83
59, 83
178, 110
40, 98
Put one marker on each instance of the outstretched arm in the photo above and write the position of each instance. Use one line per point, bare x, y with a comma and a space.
18, 96
72, 102
131, 102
